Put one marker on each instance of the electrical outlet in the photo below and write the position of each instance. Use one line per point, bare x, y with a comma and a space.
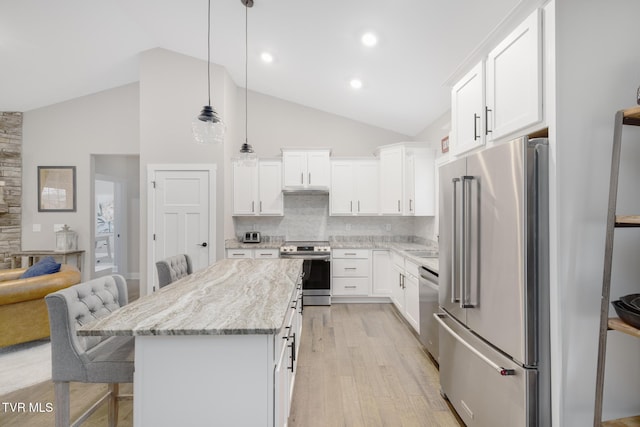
36, 228
387, 227
348, 227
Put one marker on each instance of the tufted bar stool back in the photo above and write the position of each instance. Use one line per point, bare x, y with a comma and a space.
173, 268
88, 359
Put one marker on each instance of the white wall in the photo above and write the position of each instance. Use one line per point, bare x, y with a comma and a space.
66, 134
173, 89
598, 72
275, 123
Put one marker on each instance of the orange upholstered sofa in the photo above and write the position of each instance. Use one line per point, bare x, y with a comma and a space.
23, 311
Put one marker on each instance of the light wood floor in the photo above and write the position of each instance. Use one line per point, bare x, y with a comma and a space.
359, 365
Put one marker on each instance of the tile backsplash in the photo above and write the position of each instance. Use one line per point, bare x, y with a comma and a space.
306, 217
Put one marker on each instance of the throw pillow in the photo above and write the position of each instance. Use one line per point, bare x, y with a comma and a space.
46, 265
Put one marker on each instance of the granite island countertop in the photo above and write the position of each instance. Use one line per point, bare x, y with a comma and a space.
230, 297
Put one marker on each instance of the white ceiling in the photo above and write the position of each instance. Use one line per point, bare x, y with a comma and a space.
52, 51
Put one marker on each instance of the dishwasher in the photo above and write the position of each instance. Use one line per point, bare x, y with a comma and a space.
428, 306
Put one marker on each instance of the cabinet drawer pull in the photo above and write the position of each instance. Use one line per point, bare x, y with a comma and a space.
350, 268
349, 254
264, 254
350, 286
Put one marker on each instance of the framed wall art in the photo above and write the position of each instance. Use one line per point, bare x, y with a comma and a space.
445, 144
56, 188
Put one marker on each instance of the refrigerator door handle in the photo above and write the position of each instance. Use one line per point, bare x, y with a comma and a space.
465, 282
454, 240
502, 371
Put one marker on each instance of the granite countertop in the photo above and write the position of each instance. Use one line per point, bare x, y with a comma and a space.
236, 244
230, 297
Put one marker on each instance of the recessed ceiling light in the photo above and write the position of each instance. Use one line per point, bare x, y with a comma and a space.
356, 83
267, 57
369, 39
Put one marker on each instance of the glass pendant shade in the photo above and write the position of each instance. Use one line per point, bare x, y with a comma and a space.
208, 127
247, 156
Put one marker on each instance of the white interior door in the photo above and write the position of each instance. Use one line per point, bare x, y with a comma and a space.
183, 213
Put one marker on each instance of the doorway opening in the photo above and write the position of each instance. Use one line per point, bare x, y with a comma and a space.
116, 216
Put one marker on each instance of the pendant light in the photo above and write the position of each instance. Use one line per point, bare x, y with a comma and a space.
247, 155
208, 127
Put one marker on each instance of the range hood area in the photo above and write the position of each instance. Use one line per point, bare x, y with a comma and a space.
305, 191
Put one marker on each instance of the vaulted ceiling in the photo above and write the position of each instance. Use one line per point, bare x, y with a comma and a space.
52, 51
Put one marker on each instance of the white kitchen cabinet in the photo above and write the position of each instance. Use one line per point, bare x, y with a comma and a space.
287, 348
306, 168
253, 253
350, 272
245, 187
405, 289
381, 273
270, 188
391, 180
514, 79
266, 253
419, 182
257, 188
354, 189
503, 95
412, 295
407, 179
397, 275
467, 111
240, 253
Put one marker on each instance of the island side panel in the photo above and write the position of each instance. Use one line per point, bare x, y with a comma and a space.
221, 380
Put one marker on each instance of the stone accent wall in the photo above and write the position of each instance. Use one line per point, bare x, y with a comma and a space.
11, 174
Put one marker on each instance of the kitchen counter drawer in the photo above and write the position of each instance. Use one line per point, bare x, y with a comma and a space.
350, 253
239, 253
266, 253
350, 268
351, 286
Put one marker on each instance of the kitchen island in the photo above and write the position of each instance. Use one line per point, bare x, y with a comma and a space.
216, 347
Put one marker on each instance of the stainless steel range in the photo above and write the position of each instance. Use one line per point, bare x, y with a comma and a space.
316, 282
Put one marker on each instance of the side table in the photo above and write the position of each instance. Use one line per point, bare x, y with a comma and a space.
35, 255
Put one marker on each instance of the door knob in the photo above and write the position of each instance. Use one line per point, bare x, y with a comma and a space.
203, 244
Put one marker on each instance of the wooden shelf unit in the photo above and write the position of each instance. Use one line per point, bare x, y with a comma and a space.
617, 324
629, 117
623, 422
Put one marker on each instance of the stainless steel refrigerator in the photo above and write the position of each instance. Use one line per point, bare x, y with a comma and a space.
494, 285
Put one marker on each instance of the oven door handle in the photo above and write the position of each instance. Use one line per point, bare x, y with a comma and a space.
306, 256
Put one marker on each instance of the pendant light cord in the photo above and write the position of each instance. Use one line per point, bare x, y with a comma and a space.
246, 74
209, 51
